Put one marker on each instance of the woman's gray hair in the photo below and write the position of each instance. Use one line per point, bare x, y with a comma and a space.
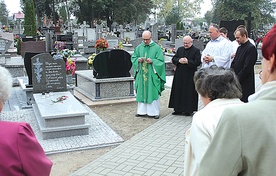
217, 82
5, 84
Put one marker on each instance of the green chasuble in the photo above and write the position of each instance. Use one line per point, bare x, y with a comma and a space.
150, 79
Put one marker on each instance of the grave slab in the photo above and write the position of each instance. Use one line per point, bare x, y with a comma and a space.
60, 119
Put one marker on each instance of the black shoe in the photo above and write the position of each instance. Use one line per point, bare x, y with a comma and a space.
155, 117
139, 115
177, 113
188, 114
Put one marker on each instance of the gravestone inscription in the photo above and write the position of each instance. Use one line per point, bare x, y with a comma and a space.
48, 75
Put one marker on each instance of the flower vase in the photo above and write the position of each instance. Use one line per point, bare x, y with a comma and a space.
69, 79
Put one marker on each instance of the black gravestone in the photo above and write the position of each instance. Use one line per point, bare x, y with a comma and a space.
112, 64
48, 74
28, 66
119, 63
100, 65
231, 26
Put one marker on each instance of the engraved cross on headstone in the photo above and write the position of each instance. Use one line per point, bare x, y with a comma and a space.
249, 18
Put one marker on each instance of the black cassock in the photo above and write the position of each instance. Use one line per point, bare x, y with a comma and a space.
184, 97
243, 66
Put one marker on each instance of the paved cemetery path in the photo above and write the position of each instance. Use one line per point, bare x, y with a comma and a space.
158, 150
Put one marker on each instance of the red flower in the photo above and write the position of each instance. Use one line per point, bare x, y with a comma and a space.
70, 66
101, 44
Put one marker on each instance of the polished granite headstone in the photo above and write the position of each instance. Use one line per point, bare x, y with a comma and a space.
60, 118
115, 63
48, 75
28, 66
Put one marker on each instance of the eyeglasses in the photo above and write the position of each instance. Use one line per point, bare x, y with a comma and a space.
187, 43
147, 39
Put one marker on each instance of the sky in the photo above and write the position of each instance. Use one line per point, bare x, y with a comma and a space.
205, 6
14, 6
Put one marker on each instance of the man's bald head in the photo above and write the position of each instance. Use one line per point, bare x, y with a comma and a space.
146, 37
188, 41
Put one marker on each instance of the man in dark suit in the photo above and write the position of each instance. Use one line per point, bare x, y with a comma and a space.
243, 63
184, 98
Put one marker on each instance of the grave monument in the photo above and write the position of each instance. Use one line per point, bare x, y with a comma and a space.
111, 78
57, 111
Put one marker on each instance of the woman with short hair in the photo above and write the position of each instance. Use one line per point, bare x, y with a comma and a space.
218, 88
20, 152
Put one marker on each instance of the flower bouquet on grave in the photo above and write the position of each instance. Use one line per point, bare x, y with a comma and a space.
66, 53
119, 46
60, 99
126, 40
59, 46
90, 60
70, 66
101, 44
17, 43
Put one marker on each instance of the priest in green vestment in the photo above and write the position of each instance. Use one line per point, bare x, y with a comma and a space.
150, 76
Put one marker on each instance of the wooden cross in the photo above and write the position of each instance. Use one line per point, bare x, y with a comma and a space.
249, 18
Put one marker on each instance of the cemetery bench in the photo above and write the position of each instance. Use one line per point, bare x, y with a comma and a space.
60, 119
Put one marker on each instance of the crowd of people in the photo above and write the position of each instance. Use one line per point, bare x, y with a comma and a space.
222, 137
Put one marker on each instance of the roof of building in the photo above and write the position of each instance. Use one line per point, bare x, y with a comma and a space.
18, 15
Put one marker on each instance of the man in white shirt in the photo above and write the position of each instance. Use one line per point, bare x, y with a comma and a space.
217, 51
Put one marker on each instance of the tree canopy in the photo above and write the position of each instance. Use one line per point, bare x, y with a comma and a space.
120, 11
4, 13
30, 20
262, 11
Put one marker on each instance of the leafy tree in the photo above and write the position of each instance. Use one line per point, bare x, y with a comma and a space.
173, 17
63, 13
208, 16
29, 20
95, 11
186, 8
4, 13
262, 10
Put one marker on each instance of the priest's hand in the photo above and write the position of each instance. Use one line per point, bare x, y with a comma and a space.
208, 58
141, 59
148, 60
183, 60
